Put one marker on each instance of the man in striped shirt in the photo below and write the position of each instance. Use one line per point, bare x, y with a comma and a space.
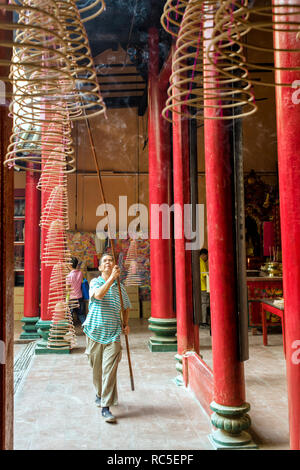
103, 328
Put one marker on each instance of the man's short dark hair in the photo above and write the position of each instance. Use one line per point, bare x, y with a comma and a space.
203, 251
74, 262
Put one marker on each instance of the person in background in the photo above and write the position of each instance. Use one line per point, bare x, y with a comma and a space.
102, 327
204, 294
74, 281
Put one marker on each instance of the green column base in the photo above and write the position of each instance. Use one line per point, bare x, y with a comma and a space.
165, 334
231, 423
44, 350
29, 327
43, 328
161, 347
220, 440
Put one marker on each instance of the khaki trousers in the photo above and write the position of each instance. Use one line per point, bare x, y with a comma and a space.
104, 360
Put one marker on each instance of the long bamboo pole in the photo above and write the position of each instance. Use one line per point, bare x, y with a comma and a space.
124, 321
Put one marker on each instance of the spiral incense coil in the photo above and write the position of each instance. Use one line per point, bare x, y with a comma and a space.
233, 23
172, 15
81, 94
194, 83
100, 4
62, 331
70, 95
56, 250
86, 99
133, 277
131, 263
58, 288
56, 208
52, 175
39, 34
31, 142
30, 98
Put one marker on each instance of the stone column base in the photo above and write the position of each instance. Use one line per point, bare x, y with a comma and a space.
29, 327
231, 423
43, 327
165, 334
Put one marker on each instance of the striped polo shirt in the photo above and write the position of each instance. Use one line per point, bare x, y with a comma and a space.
103, 322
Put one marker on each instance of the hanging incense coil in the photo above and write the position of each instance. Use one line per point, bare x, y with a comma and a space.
133, 277
194, 82
70, 96
172, 16
57, 286
56, 208
86, 99
33, 141
59, 289
131, 263
53, 174
62, 332
39, 34
31, 66
56, 250
234, 22
100, 4
131, 253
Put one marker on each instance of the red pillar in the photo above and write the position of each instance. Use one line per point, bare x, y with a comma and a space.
229, 387
288, 138
183, 261
32, 254
162, 321
45, 270
228, 372
44, 323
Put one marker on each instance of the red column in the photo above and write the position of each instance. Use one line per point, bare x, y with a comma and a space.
229, 387
162, 320
183, 261
32, 245
228, 372
44, 323
45, 270
31, 255
288, 138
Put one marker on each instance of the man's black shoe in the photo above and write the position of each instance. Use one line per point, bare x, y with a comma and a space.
106, 414
98, 401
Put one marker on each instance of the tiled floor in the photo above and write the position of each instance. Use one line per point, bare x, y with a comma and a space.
54, 406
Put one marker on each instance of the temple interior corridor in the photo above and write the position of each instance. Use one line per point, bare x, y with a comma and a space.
55, 409
155, 146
